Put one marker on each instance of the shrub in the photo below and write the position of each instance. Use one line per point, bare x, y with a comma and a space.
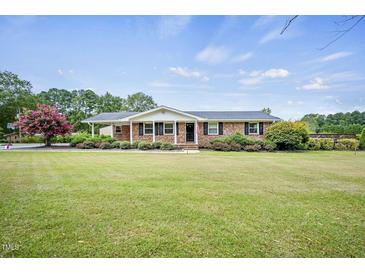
362, 139
80, 146
79, 138
88, 144
221, 146
61, 139
314, 144
32, 139
252, 148
287, 135
167, 146
327, 143
157, 144
135, 144
125, 145
115, 144
239, 138
105, 145
235, 146
347, 144
269, 146
144, 145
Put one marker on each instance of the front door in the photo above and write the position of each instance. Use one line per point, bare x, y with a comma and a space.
190, 132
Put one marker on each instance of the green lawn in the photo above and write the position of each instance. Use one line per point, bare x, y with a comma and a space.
87, 204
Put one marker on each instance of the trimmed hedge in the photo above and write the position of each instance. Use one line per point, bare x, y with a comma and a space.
125, 145
362, 139
347, 144
143, 145
167, 146
238, 141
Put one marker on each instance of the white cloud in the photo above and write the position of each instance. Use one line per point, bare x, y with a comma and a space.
65, 71
60, 71
242, 57
271, 35
187, 73
257, 76
213, 55
172, 25
315, 84
276, 73
336, 56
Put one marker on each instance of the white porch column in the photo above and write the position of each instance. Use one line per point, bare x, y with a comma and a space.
175, 132
92, 130
130, 132
112, 130
196, 131
153, 132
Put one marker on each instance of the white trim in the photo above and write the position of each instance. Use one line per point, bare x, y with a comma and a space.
144, 128
162, 107
131, 132
164, 127
258, 128
213, 134
112, 130
92, 130
153, 131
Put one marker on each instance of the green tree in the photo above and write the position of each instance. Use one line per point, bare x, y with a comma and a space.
266, 110
62, 99
140, 102
110, 103
15, 95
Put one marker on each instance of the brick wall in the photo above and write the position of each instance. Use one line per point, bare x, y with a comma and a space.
228, 129
203, 140
124, 136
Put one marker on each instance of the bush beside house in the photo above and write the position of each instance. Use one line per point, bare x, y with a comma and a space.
288, 135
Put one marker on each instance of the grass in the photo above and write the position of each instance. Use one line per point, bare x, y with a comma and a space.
87, 204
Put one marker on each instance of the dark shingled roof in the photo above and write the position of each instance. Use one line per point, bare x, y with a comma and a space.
211, 115
234, 115
110, 116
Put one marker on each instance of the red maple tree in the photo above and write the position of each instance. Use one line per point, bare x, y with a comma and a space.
45, 120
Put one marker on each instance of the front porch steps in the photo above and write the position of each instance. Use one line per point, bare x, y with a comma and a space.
188, 146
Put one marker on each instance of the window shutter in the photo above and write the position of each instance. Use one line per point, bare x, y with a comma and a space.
160, 128
140, 129
220, 128
205, 128
246, 128
156, 128
177, 128
261, 128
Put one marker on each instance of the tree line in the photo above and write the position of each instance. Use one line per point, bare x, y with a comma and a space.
16, 95
343, 123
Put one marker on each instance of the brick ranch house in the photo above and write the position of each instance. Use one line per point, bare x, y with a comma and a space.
186, 129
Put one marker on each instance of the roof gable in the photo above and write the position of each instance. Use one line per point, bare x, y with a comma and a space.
163, 113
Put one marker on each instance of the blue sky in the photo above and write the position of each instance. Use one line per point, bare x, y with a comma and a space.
194, 63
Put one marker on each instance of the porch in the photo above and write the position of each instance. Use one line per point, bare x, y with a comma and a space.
184, 134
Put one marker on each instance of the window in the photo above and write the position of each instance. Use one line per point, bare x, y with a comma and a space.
253, 128
148, 128
118, 129
169, 128
212, 128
